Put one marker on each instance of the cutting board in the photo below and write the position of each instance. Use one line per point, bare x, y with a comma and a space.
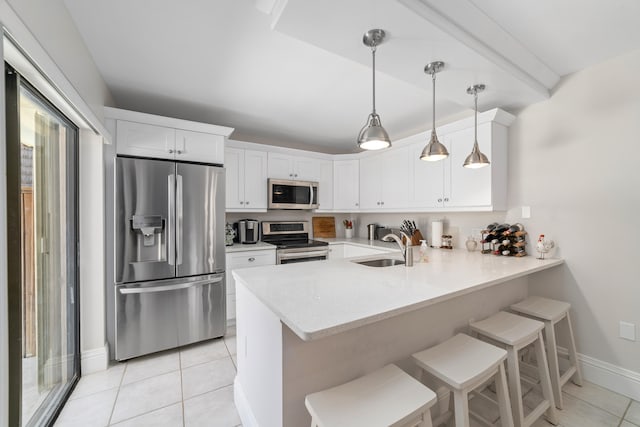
324, 226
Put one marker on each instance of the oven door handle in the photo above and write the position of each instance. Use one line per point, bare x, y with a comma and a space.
310, 254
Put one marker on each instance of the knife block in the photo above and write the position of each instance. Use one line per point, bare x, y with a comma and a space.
415, 238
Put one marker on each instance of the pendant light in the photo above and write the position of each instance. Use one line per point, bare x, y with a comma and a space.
373, 136
434, 150
476, 159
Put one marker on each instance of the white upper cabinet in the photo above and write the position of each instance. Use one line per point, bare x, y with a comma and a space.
246, 179
147, 135
139, 139
199, 147
325, 184
346, 185
384, 180
447, 185
286, 166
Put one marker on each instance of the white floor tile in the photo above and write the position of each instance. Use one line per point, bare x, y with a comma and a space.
99, 381
577, 413
170, 416
599, 397
207, 377
231, 343
213, 409
203, 352
231, 330
89, 411
633, 414
150, 366
147, 395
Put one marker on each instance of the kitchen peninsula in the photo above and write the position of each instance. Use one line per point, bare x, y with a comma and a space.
306, 327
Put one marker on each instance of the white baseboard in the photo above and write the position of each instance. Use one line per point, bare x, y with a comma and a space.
610, 376
244, 410
94, 360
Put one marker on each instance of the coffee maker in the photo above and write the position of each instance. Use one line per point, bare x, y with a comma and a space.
248, 231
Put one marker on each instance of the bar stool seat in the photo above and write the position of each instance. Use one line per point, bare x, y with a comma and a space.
552, 312
515, 333
463, 364
386, 397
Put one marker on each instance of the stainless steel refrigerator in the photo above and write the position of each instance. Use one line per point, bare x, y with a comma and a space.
169, 255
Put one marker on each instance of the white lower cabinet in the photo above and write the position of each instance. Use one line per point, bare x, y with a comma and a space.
244, 259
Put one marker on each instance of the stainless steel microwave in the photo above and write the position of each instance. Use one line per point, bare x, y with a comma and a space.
289, 194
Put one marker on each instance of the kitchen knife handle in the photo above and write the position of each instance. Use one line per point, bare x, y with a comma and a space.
171, 251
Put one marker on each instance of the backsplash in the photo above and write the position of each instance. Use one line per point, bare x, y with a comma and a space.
458, 224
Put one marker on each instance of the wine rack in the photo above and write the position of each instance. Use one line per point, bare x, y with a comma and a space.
506, 241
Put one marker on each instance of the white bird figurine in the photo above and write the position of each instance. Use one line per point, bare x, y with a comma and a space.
543, 246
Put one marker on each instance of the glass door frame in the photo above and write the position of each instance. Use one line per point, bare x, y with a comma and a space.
13, 82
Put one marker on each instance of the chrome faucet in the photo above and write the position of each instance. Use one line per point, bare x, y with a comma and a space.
392, 237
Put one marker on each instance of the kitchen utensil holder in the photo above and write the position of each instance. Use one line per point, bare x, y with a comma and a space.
415, 238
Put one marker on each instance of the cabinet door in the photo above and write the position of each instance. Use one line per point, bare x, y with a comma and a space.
394, 174
235, 177
336, 251
199, 147
467, 187
255, 179
346, 184
370, 194
139, 139
325, 184
280, 166
306, 169
426, 180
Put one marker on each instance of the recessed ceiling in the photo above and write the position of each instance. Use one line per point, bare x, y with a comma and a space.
295, 73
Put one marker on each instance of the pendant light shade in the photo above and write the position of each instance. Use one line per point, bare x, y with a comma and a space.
434, 150
373, 136
476, 159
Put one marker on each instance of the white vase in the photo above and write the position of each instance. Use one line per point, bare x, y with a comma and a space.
348, 233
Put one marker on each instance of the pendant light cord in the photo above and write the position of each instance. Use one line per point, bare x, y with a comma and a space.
373, 54
475, 122
433, 105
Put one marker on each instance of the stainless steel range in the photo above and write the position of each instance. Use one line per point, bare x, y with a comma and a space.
292, 241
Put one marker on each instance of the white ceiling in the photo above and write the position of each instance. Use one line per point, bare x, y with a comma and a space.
295, 72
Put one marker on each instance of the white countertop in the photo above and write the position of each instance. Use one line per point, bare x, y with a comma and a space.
321, 298
237, 247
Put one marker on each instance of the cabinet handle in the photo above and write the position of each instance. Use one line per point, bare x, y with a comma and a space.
246, 203
241, 202
357, 204
378, 203
295, 175
170, 151
439, 200
251, 259
446, 199
179, 151
382, 203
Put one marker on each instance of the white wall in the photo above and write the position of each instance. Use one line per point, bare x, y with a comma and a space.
573, 159
52, 25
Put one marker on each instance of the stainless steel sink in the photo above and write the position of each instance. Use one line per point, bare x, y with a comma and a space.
380, 262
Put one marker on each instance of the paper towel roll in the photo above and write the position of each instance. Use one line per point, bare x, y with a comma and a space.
436, 234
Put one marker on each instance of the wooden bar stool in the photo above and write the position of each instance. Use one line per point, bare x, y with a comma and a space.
515, 333
386, 397
551, 312
464, 364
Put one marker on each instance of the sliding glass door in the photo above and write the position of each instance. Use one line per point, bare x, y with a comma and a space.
42, 216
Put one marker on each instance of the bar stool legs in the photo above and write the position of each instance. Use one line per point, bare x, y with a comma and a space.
552, 312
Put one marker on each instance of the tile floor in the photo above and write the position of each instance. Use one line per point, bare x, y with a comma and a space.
193, 386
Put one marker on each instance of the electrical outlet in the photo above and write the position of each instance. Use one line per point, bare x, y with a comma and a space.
627, 331
526, 212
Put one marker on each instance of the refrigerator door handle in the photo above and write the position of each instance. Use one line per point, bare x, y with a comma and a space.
171, 250
179, 205
170, 287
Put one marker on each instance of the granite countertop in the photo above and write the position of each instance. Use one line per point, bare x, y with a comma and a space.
322, 298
